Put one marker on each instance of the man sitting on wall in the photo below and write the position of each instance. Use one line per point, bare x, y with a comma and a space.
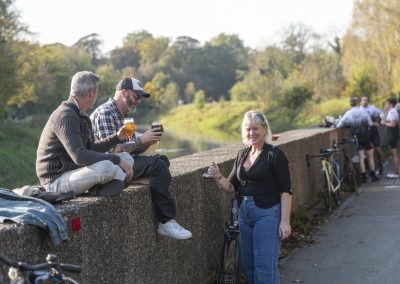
107, 119
68, 156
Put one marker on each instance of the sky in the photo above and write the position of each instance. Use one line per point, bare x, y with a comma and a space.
257, 22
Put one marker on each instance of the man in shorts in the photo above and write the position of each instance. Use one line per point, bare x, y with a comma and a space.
390, 119
375, 115
360, 122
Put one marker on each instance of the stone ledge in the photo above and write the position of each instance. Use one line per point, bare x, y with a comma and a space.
118, 242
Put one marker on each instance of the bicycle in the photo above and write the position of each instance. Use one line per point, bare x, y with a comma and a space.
331, 178
49, 272
228, 271
350, 168
229, 264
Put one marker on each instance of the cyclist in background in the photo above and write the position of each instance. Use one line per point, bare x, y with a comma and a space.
375, 114
359, 121
261, 176
390, 119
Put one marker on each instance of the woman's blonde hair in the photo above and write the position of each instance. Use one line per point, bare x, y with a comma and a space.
257, 118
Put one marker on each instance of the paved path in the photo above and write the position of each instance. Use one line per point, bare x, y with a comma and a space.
360, 244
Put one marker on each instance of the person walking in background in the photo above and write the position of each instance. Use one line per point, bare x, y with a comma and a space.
390, 119
375, 115
261, 177
359, 121
107, 119
69, 158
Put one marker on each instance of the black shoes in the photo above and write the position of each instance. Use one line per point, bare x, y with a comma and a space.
373, 176
380, 170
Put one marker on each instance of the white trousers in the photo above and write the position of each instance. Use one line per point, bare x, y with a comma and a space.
82, 179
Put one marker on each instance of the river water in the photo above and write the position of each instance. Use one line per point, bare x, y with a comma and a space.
176, 145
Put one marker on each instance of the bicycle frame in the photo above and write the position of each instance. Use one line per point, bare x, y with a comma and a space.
229, 262
351, 167
331, 180
50, 271
328, 171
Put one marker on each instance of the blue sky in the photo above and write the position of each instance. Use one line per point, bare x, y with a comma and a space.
257, 22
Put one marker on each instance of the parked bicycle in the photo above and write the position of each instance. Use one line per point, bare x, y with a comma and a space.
49, 272
229, 264
230, 258
350, 165
331, 177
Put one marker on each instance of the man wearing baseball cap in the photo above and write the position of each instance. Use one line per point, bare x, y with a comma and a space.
108, 118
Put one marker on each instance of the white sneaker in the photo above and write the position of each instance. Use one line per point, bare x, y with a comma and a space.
391, 175
173, 230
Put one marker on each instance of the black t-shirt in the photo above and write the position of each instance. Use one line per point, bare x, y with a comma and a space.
266, 179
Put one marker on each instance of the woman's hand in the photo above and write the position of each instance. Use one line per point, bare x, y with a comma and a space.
213, 171
284, 230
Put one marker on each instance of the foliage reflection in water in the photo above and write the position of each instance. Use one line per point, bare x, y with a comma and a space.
176, 145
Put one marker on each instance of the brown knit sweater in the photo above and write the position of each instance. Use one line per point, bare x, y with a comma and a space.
67, 143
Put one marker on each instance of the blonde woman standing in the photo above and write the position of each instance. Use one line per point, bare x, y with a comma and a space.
261, 177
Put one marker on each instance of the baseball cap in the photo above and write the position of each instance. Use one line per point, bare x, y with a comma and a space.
134, 85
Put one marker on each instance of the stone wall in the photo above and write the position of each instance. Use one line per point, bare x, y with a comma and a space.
118, 242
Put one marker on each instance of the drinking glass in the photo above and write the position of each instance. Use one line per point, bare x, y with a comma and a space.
130, 127
157, 124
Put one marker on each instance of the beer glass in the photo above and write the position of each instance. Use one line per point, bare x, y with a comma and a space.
130, 127
157, 124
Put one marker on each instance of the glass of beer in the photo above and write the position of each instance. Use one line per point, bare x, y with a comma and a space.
130, 127
157, 124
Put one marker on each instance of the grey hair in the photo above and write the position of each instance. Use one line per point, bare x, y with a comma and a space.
82, 82
257, 118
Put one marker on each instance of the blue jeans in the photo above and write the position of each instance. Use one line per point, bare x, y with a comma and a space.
259, 234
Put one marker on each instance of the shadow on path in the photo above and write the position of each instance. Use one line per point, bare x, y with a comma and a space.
360, 244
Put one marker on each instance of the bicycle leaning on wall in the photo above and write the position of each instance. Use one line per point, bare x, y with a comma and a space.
350, 164
331, 177
229, 264
49, 272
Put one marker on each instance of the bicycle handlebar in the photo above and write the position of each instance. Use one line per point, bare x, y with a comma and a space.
324, 153
41, 266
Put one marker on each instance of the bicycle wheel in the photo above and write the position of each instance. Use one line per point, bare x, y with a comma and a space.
326, 195
229, 263
336, 181
350, 176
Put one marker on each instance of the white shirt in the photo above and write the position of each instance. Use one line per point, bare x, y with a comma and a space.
392, 115
373, 111
355, 118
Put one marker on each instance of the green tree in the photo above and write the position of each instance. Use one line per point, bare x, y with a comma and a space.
171, 95
374, 36
108, 81
200, 99
224, 55
362, 80
10, 29
54, 67
294, 97
92, 45
190, 90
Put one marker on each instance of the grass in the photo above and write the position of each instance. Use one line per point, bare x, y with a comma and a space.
215, 121
18, 143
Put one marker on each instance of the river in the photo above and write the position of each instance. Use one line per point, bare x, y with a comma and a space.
176, 145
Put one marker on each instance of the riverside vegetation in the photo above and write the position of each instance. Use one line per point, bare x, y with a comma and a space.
217, 122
